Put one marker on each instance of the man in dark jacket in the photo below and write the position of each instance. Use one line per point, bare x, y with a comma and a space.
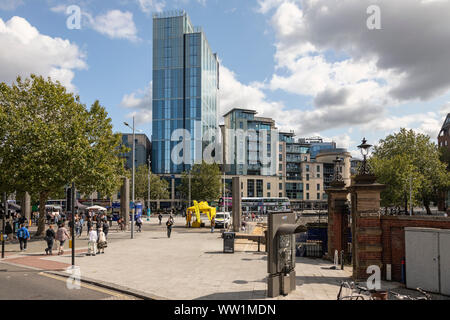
105, 228
50, 238
9, 231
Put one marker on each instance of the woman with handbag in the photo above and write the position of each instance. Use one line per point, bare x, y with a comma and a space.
102, 244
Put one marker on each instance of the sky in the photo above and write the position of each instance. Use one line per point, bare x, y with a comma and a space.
312, 65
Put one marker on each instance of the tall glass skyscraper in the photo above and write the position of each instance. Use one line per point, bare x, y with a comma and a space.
185, 89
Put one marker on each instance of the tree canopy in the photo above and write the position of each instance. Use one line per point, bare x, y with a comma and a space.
406, 155
159, 188
206, 182
49, 139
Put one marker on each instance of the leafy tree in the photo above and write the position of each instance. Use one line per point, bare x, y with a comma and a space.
405, 154
206, 183
50, 139
159, 188
445, 156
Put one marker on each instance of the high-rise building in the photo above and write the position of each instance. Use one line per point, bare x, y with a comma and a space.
185, 90
248, 144
143, 149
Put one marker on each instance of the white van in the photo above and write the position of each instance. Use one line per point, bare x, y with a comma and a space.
223, 219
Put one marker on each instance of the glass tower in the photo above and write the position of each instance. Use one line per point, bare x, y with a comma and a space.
185, 89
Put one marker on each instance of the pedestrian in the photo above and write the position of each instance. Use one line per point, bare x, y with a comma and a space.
139, 223
105, 228
80, 226
50, 238
169, 225
213, 224
102, 244
62, 235
160, 218
8, 231
89, 225
92, 243
23, 235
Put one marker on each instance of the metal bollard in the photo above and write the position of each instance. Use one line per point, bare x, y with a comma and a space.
342, 259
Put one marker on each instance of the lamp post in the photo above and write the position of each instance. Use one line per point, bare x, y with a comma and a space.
364, 148
133, 176
149, 180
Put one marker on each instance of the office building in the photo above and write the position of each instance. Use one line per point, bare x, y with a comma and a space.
185, 90
143, 150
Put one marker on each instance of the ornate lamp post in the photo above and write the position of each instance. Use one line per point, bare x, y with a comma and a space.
338, 180
365, 149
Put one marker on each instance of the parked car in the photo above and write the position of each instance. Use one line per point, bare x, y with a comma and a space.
223, 220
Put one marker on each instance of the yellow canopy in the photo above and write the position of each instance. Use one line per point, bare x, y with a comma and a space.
198, 209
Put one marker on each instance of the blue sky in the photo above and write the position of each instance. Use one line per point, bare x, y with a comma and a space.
310, 64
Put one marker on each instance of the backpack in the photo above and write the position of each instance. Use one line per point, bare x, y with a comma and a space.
21, 233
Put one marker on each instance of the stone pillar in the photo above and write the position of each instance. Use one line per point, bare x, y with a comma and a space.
125, 200
366, 225
337, 219
237, 204
26, 206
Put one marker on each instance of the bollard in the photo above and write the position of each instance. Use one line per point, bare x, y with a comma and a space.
342, 259
259, 244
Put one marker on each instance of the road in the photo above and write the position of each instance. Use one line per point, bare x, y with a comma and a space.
17, 283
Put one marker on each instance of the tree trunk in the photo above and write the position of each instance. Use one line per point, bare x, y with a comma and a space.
42, 214
406, 203
427, 207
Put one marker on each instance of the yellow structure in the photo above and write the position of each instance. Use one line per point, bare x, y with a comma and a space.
198, 209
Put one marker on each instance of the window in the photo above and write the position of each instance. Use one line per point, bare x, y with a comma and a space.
280, 157
307, 196
318, 196
280, 195
280, 186
251, 188
318, 168
281, 167
307, 177
281, 148
307, 168
318, 175
241, 125
268, 186
268, 194
318, 187
307, 186
259, 188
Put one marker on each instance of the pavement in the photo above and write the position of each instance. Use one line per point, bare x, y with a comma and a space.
190, 265
21, 283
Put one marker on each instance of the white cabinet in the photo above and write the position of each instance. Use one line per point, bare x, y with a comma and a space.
428, 259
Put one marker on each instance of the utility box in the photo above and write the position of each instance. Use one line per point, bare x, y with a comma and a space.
281, 252
228, 242
428, 259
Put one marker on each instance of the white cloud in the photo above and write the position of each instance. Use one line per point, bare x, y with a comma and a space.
29, 51
141, 103
115, 24
8, 5
147, 6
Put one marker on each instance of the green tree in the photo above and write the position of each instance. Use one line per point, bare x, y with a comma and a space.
50, 139
408, 154
159, 188
206, 182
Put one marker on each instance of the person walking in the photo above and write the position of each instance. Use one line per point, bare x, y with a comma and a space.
23, 235
80, 226
169, 225
50, 238
139, 223
213, 224
102, 244
89, 225
160, 218
105, 228
92, 243
8, 231
61, 236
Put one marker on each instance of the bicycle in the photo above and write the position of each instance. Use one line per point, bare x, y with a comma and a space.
425, 295
358, 292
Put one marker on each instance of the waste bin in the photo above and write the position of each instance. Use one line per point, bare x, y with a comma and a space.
228, 242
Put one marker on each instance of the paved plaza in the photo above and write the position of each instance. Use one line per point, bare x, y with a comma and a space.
190, 265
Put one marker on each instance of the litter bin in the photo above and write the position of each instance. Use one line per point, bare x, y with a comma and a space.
228, 242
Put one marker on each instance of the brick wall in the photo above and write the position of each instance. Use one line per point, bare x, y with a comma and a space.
393, 237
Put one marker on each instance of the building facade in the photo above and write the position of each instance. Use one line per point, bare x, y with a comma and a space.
249, 148
444, 142
185, 90
143, 150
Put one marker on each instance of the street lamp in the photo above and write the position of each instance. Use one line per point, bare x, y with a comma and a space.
133, 177
364, 148
149, 178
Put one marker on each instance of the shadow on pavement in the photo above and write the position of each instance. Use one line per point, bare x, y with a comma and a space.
239, 295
